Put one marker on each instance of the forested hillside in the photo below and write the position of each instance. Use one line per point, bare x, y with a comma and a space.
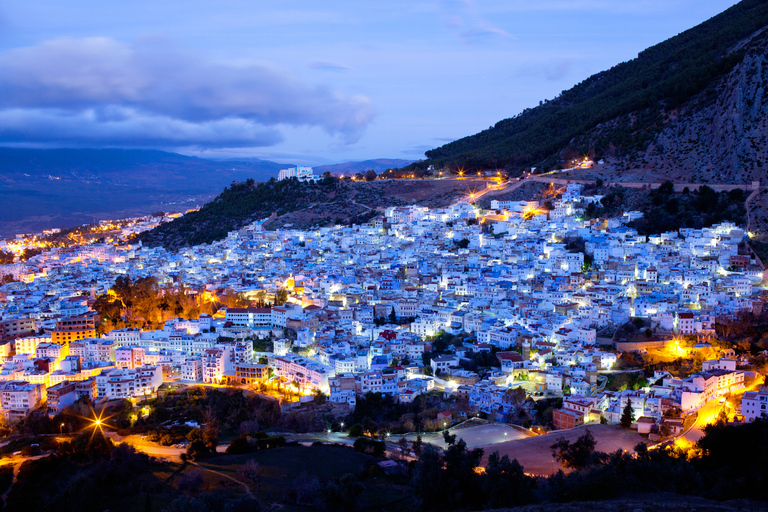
619, 112
236, 206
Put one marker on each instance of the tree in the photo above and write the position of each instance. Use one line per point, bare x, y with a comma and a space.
577, 455
506, 483
627, 415
319, 398
343, 495
281, 296
403, 445
722, 417
393, 317
6, 257
370, 175
417, 446
427, 476
516, 397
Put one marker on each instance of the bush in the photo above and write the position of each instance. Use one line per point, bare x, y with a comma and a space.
370, 446
198, 450
247, 443
356, 430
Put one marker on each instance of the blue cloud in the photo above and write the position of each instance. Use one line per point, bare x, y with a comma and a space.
329, 66
105, 90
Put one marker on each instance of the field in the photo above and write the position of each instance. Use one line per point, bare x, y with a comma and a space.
284, 472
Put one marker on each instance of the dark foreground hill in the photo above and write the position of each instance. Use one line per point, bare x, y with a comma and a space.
692, 107
42, 189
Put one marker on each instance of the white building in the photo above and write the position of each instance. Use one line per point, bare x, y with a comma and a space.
309, 374
301, 173
129, 383
192, 369
29, 344
20, 396
754, 404
216, 362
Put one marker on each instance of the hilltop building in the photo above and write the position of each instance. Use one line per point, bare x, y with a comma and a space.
301, 173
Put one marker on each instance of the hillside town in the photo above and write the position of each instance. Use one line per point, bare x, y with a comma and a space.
549, 302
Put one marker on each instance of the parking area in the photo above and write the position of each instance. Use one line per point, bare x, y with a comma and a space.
535, 455
475, 436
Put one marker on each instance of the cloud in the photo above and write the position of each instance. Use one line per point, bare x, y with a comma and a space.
329, 66
109, 90
116, 125
464, 17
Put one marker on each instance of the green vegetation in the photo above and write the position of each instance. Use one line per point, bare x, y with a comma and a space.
664, 210
627, 415
704, 207
236, 206
377, 414
727, 464
6, 257
230, 408
760, 246
638, 94
248, 443
91, 474
143, 303
370, 446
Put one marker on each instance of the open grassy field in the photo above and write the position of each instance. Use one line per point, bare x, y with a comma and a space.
283, 471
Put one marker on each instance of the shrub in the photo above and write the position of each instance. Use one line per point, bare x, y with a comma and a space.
370, 446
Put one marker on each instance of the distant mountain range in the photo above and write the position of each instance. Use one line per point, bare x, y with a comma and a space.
347, 168
690, 108
45, 188
48, 188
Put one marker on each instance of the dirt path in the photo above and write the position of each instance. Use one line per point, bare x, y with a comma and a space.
245, 486
490, 192
746, 205
16, 467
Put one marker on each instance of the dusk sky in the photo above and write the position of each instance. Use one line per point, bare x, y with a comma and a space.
304, 82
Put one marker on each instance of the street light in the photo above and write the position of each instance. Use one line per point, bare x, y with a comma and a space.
61, 428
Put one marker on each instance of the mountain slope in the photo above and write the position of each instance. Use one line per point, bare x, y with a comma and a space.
41, 189
349, 168
301, 206
619, 112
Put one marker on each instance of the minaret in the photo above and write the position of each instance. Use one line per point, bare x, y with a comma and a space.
526, 351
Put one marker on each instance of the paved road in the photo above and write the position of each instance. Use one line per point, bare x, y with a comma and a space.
709, 412
475, 437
